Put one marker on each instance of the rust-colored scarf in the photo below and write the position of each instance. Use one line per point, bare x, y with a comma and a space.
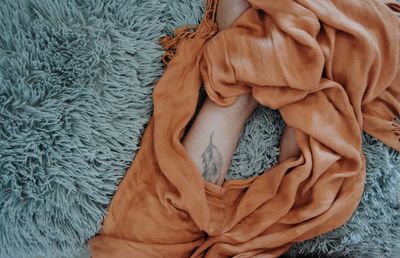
332, 70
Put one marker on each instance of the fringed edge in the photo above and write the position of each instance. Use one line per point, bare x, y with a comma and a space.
189, 32
396, 127
170, 43
210, 19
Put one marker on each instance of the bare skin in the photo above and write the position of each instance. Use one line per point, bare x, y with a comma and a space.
214, 135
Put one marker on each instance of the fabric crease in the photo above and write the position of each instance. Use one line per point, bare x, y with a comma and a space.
332, 70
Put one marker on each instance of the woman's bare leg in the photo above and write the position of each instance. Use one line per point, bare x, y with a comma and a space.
213, 137
228, 11
288, 146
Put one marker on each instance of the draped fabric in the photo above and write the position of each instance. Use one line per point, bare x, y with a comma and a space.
332, 70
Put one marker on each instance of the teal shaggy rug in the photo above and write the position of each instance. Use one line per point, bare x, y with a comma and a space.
76, 81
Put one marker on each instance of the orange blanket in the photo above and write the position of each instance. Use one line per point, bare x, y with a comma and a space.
332, 70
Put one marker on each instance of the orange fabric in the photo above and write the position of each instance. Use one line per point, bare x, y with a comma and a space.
332, 70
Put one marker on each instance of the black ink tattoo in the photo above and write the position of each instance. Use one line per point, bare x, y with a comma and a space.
212, 162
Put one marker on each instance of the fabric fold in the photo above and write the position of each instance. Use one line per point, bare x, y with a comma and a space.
332, 70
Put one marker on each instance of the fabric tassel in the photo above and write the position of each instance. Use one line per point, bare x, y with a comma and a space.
170, 43
210, 17
189, 32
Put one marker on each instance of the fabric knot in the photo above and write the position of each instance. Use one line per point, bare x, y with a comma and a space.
170, 43
210, 29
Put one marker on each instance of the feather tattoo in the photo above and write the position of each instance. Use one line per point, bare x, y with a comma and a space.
212, 162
